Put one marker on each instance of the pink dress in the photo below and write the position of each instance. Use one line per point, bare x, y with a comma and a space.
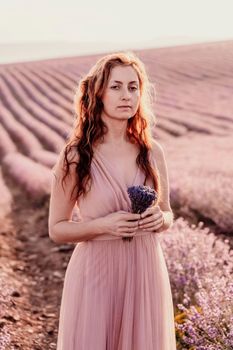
116, 294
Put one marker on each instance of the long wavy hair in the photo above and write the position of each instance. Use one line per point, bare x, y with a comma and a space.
89, 129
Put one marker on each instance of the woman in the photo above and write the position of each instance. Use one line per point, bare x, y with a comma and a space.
116, 293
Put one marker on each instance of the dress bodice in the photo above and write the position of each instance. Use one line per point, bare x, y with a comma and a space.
108, 193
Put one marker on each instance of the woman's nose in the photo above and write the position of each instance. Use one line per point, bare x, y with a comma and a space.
125, 93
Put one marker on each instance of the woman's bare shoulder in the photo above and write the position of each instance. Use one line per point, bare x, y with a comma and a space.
157, 151
72, 153
69, 153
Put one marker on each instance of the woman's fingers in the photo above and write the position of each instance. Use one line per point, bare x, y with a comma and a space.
153, 225
131, 216
127, 234
148, 220
128, 229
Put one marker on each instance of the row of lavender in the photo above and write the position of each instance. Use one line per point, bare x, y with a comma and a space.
200, 269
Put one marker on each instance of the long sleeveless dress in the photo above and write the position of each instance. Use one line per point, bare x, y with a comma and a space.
116, 294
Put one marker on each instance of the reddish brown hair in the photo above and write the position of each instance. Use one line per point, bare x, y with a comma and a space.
89, 129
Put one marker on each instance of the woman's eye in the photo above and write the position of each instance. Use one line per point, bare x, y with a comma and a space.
131, 88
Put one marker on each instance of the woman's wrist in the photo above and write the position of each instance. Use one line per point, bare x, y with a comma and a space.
167, 220
98, 226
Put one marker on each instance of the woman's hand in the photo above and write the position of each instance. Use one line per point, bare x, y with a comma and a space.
152, 219
120, 223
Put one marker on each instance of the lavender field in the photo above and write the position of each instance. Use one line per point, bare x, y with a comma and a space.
194, 109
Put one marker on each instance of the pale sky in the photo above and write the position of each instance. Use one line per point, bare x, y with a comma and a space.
114, 21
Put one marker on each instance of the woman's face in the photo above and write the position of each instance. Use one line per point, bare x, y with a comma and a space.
122, 90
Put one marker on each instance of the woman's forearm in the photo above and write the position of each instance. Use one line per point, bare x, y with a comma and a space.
74, 232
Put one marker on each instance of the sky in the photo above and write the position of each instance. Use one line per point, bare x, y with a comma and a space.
119, 22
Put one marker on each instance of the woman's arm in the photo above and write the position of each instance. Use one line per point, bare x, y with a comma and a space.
61, 228
164, 202
74, 232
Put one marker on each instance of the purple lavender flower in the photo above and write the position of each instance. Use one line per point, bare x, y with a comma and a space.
200, 270
141, 198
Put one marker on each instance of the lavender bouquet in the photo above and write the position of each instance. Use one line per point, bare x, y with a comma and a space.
141, 198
